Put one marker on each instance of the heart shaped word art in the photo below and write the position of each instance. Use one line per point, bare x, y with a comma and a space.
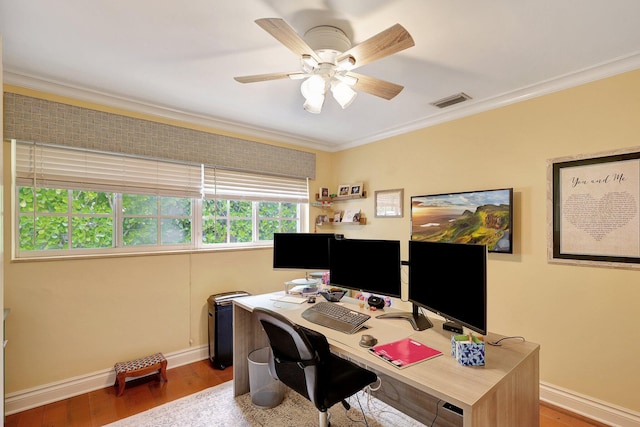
599, 217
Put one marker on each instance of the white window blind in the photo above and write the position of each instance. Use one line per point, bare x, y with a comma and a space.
60, 167
237, 185
43, 165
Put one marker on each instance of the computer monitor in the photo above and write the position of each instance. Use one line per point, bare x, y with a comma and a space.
450, 279
366, 265
301, 251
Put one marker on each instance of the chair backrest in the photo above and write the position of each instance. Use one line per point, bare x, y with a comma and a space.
297, 354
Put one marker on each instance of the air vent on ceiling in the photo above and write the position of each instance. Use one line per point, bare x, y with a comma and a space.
451, 100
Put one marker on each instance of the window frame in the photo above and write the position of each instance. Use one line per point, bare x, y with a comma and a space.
196, 243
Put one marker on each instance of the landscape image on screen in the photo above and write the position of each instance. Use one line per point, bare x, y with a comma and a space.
479, 217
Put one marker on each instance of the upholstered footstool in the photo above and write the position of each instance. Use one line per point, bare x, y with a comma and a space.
138, 368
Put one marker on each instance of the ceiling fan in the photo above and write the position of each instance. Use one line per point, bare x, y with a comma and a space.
327, 60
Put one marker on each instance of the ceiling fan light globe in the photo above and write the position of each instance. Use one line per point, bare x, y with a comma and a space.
343, 94
313, 86
314, 104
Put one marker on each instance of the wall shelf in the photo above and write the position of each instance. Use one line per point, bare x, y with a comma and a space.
363, 221
327, 202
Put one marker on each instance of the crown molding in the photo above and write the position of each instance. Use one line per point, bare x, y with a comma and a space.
129, 104
587, 75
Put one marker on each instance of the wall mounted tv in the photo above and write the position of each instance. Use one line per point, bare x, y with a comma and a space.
475, 217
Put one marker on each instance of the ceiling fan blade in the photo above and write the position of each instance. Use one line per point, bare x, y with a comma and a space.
390, 41
286, 35
377, 87
271, 76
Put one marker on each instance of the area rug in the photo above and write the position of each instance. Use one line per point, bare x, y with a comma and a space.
216, 406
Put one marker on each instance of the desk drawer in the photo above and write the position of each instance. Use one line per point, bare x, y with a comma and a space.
415, 403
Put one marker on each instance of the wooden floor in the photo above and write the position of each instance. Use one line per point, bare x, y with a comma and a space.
103, 406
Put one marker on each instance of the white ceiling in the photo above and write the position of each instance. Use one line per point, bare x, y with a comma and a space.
178, 58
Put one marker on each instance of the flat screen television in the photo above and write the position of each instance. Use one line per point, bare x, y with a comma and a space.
475, 217
366, 265
450, 279
301, 251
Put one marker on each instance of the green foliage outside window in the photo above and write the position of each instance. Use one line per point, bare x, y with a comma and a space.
60, 219
214, 221
51, 218
240, 212
275, 217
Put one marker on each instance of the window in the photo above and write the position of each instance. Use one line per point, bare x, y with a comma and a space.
153, 220
53, 219
75, 202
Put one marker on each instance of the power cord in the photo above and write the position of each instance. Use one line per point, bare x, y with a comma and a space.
346, 412
370, 389
362, 410
373, 409
499, 342
437, 411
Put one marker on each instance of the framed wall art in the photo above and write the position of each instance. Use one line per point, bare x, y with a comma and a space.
474, 217
594, 209
388, 203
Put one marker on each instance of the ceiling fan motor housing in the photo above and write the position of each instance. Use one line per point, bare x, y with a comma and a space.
327, 41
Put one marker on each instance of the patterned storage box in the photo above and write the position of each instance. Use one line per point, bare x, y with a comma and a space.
467, 352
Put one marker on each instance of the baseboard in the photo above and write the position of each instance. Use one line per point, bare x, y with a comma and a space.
589, 407
53, 392
26, 399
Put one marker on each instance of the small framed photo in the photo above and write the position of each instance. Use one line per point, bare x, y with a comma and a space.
336, 216
351, 215
323, 193
344, 190
322, 219
356, 189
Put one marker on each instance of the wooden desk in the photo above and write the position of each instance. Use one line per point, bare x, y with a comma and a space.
503, 393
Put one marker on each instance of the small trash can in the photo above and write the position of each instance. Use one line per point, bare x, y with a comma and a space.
266, 391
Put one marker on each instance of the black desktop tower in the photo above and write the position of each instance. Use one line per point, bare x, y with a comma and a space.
220, 327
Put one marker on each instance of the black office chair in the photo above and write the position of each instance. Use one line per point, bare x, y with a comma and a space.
302, 361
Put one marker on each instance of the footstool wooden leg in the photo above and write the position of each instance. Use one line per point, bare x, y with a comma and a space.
163, 370
120, 382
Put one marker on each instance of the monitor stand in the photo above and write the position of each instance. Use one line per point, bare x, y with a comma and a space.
306, 281
418, 321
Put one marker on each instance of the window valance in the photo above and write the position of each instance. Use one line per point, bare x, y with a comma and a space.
33, 119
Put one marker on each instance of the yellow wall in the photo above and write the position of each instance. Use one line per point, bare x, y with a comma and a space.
75, 317
583, 317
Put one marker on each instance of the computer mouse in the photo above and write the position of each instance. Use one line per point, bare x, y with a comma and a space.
311, 299
368, 340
